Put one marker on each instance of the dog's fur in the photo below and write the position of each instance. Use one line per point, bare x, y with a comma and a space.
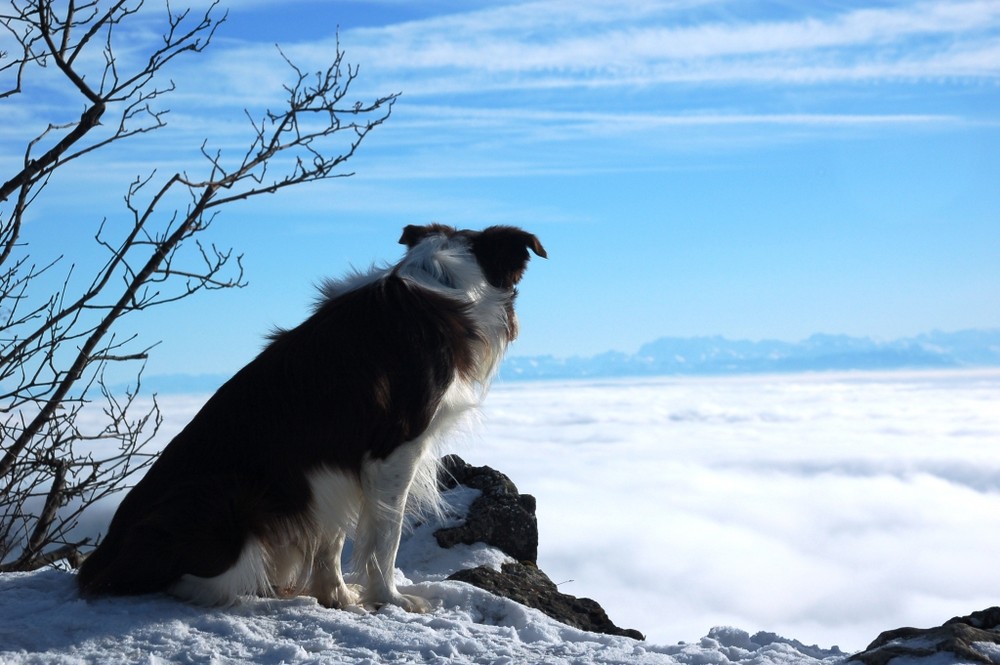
329, 433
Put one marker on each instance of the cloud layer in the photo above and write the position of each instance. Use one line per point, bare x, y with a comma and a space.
828, 508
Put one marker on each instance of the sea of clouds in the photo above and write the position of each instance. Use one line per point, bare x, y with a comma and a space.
823, 507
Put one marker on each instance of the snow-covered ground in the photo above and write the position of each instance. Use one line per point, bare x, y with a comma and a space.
43, 620
825, 508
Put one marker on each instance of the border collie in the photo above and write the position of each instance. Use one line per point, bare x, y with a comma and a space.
331, 432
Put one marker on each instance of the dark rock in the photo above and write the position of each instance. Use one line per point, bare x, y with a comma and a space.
529, 586
500, 516
956, 636
504, 518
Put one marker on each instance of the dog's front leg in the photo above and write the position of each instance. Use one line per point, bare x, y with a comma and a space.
327, 583
385, 485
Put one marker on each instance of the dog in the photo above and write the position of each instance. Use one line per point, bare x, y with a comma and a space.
330, 432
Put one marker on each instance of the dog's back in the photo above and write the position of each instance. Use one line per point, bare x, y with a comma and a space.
278, 463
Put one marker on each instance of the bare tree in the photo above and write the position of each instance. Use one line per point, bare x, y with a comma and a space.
56, 347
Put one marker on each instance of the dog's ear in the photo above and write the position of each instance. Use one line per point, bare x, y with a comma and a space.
502, 253
413, 234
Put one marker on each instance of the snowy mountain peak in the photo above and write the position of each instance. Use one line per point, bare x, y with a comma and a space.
717, 355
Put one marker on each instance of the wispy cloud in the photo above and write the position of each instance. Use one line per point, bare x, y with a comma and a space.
556, 44
486, 117
483, 81
643, 44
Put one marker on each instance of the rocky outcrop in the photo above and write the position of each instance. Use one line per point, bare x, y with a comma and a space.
501, 516
504, 518
972, 639
526, 584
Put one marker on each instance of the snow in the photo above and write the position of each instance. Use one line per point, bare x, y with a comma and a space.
822, 507
43, 620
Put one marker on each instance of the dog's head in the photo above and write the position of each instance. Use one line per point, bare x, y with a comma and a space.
500, 251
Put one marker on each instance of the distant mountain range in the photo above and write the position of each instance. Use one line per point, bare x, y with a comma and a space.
706, 356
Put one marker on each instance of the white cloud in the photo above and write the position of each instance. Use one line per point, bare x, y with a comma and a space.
554, 45
607, 122
829, 508
535, 46
559, 87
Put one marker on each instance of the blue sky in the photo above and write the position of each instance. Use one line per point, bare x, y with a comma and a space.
693, 167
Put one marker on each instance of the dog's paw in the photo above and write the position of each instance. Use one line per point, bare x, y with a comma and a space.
408, 602
415, 604
340, 597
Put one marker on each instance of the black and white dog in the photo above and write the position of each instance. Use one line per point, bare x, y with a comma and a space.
329, 433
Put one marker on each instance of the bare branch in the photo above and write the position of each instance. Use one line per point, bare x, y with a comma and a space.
70, 553
54, 500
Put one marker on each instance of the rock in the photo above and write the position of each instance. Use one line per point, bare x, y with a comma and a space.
958, 637
501, 516
526, 584
504, 518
